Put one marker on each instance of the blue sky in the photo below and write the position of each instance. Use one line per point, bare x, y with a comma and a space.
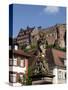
34, 15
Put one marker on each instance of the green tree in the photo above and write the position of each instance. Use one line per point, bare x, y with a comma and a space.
29, 80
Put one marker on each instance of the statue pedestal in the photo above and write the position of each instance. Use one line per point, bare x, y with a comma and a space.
42, 79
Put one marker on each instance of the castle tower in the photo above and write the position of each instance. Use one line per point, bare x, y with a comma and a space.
60, 36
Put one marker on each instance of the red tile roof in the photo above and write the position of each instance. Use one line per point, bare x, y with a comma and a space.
21, 52
55, 57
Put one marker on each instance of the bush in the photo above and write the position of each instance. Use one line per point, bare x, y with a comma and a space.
62, 49
23, 46
50, 46
33, 46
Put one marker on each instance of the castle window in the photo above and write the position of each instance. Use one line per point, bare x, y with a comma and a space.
24, 32
50, 34
32, 36
47, 35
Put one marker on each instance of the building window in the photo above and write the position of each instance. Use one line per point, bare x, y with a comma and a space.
12, 77
59, 74
10, 47
64, 75
21, 77
22, 63
10, 62
15, 61
16, 47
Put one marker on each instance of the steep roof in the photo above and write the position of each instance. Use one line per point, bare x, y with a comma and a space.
21, 53
55, 57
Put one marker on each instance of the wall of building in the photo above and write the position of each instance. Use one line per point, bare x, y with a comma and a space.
61, 29
17, 68
59, 76
51, 34
23, 37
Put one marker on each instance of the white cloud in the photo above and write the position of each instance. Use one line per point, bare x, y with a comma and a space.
51, 9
